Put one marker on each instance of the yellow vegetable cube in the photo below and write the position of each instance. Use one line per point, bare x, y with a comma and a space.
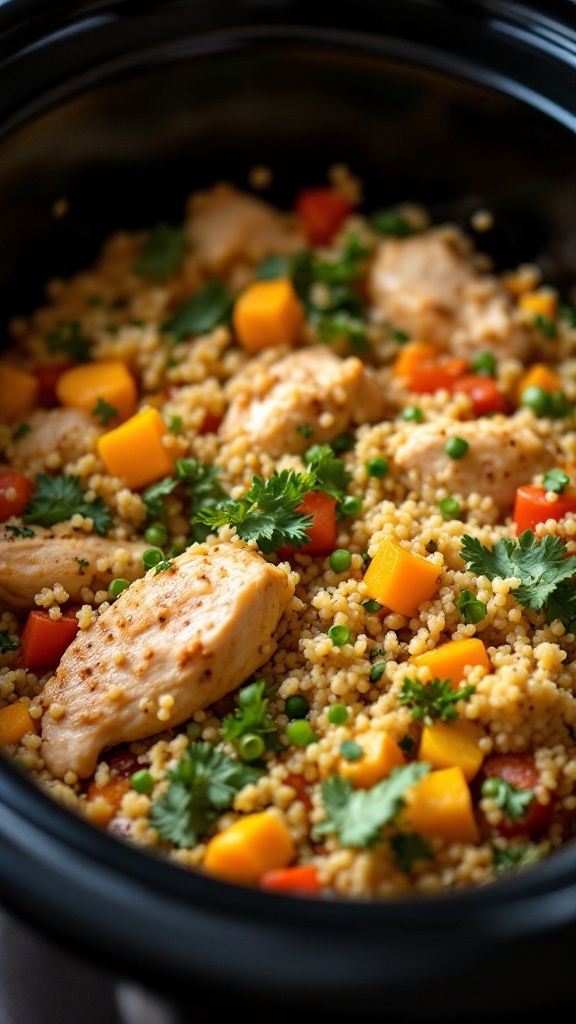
242, 852
15, 722
135, 451
540, 303
400, 580
539, 376
18, 392
440, 806
447, 744
450, 660
381, 755
82, 386
268, 313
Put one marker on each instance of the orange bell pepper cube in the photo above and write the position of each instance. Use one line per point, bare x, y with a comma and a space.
483, 392
299, 879
268, 313
540, 303
15, 722
531, 506
446, 744
440, 806
450, 660
426, 369
322, 210
44, 640
324, 530
18, 392
135, 451
400, 580
81, 387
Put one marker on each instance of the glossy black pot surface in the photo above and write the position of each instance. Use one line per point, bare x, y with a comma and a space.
124, 109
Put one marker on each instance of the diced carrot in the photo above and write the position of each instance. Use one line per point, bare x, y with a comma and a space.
531, 506
18, 392
322, 211
267, 313
298, 783
15, 722
484, 392
16, 489
80, 387
103, 802
520, 770
400, 580
254, 844
450, 660
324, 530
539, 376
411, 356
135, 451
440, 806
44, 640
300, 878
446, 744
381, 755
48, 375
540, 303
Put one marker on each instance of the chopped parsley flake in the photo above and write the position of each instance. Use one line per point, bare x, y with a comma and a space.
67, 338
57, 499
7, 643
433, 700
104, 411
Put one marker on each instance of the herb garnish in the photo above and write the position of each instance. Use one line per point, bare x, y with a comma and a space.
473, 610
513, 800
58, 498
67, 338
252, 717
210, 306
7, 643
20, 531
104, 411
162, 252
21, 431
433, 700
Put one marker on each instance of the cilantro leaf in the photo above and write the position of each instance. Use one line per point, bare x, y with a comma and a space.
7, 643
104, 411
210, 306
329, 472
408, 848
67, 338
357, 816
58, 498
433, 700
153, 497
473, 610
203, 490
390, 222
515, 858
252, 716
162, 252
513, 800
201, 787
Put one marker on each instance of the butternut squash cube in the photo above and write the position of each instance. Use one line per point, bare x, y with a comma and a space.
15, 722
134, 452
268, 313
18, 392
539, 376
81, 386
381, 755
447, 744
543, 303
440, 806
400, 580
450, 660
242, 852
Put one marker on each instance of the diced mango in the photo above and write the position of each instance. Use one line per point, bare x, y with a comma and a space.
135, 453
82, 386
400, 580
268, 313
539, 376
242, 852
449, 744
540, 303
440, 806
18, 392
450, 660
381, 755
15, 722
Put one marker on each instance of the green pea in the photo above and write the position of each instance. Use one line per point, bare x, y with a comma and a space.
142, 781
450, 508
377, 467
297, 706
300, 733
337, 714
377, 671
340, 560
156, 534
342, 443
484, 364
537, 399
491, 787
339, 635
350, 505
456, 447
412, 414
251, 746
372, 607
152, 557
116, 587
193, 730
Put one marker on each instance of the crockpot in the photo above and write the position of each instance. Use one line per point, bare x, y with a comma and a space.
122, 109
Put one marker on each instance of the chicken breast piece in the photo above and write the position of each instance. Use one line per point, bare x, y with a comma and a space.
65, 434
174, 642
501, 455
428, 286
225, 224
78, 560
313, 387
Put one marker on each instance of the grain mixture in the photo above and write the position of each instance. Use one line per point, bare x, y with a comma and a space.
288, 547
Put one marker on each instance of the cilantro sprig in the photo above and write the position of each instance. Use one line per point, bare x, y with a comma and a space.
56, 499
251, 717
200, 487
161, 253
210, 306
201, 787
542, 565
433, 700
512, 800
8, 643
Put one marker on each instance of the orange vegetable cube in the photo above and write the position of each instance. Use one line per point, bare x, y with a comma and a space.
381, 755
539, 376
15, 722
450, 660
440, 806
268, 313
80, 387
135, 451
412, 355
242, 852
400, 580
540, 303
446, 744
18, 392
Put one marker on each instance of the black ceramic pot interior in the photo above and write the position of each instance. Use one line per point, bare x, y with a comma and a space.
127, 152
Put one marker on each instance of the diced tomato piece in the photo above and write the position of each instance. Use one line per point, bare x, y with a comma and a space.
210, 423
321, 210
519, 770
427, 377
122, 762
16, 489
48, 376
298, 783
484, 392
323, 532
531, 506
301, 878
44, 640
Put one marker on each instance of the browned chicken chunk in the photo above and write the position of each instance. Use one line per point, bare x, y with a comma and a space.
174, 642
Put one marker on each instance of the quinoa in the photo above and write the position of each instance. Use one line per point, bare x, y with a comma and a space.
353, 653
